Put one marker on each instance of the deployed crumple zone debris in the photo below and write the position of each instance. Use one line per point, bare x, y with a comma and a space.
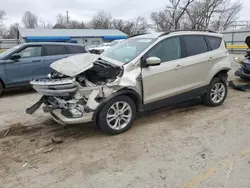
57, 140
245, 87
48, 150
79, 84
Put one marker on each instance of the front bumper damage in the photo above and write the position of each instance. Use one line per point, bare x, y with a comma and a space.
69, 102
243, 73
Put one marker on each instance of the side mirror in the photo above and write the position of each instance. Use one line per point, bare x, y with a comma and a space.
15, 57
153, 61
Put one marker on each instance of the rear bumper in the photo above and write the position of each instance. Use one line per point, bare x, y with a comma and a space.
240, 72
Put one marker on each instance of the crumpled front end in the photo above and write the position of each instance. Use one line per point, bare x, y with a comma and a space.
73, 100
244, 70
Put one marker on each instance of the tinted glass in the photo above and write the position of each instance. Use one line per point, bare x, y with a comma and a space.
34, 51
76, 49
214, 42
167, 50
55, 50
195, 45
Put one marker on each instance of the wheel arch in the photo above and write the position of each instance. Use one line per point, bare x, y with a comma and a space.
222, 74
126, 92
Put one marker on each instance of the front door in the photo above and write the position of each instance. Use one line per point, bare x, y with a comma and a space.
28, 67
160, 82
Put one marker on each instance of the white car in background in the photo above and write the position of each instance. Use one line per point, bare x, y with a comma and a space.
104, 46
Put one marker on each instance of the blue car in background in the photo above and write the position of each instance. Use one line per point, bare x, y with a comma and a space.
27, 61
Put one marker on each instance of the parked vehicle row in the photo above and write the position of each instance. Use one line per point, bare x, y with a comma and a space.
142, 73
103, 47
244, 71
24, 62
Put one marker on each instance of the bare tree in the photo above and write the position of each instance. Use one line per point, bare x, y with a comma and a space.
12, 32
131, 27
66, 23
171, 16
213, 14
102, 20
29, 20
45, 24
2, 14
225, 18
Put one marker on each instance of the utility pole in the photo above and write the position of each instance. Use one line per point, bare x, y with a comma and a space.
67, 16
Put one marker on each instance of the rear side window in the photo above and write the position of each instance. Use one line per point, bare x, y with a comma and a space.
55, 50
75, 49
214, 42
195, 45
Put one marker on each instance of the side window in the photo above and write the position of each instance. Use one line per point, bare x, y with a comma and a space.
55, 50
214, 42
32, 51
195, 45
167, 50
75, 49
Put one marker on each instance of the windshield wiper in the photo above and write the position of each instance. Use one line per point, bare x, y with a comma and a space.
103, 63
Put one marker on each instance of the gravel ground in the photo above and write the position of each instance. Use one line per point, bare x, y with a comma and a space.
185, 146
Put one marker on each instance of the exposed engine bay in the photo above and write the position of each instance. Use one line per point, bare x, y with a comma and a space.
72, 97
101, 73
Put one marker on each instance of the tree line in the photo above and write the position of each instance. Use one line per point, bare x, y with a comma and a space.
177, 14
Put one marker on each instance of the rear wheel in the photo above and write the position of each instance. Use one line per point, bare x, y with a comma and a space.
117, 115
216, 93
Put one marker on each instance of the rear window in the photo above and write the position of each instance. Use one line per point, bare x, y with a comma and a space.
55, 50
214, 42
75, 49
195, 44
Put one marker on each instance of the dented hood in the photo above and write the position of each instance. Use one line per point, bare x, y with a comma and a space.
74, 65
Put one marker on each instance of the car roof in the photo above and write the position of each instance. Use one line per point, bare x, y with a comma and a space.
52, 43
176, 33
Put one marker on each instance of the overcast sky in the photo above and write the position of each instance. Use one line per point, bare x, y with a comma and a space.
85, 9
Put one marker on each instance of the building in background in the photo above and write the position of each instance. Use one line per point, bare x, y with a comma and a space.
80, 36
235, 40
8, 43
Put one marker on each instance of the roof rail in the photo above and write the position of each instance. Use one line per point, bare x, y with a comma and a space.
168, 32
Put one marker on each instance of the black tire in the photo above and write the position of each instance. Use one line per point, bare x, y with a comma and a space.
207, 98
102, 116
1, 88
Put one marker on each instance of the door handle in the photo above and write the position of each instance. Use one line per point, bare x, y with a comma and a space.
178, 67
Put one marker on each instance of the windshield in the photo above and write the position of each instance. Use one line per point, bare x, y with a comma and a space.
128, 50
9, 51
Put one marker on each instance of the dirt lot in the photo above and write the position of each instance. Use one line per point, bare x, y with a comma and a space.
186, 146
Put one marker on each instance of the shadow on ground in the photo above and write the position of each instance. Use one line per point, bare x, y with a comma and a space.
17, 91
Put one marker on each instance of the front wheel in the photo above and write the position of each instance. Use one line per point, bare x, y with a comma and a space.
216, 93
117, 115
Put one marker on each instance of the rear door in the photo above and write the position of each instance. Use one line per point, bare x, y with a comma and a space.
74, 49
197, 62
28, 67
53, 53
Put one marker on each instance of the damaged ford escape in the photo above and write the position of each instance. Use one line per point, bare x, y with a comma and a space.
139, 74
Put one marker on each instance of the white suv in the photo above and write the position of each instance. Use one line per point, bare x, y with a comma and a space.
139, 74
